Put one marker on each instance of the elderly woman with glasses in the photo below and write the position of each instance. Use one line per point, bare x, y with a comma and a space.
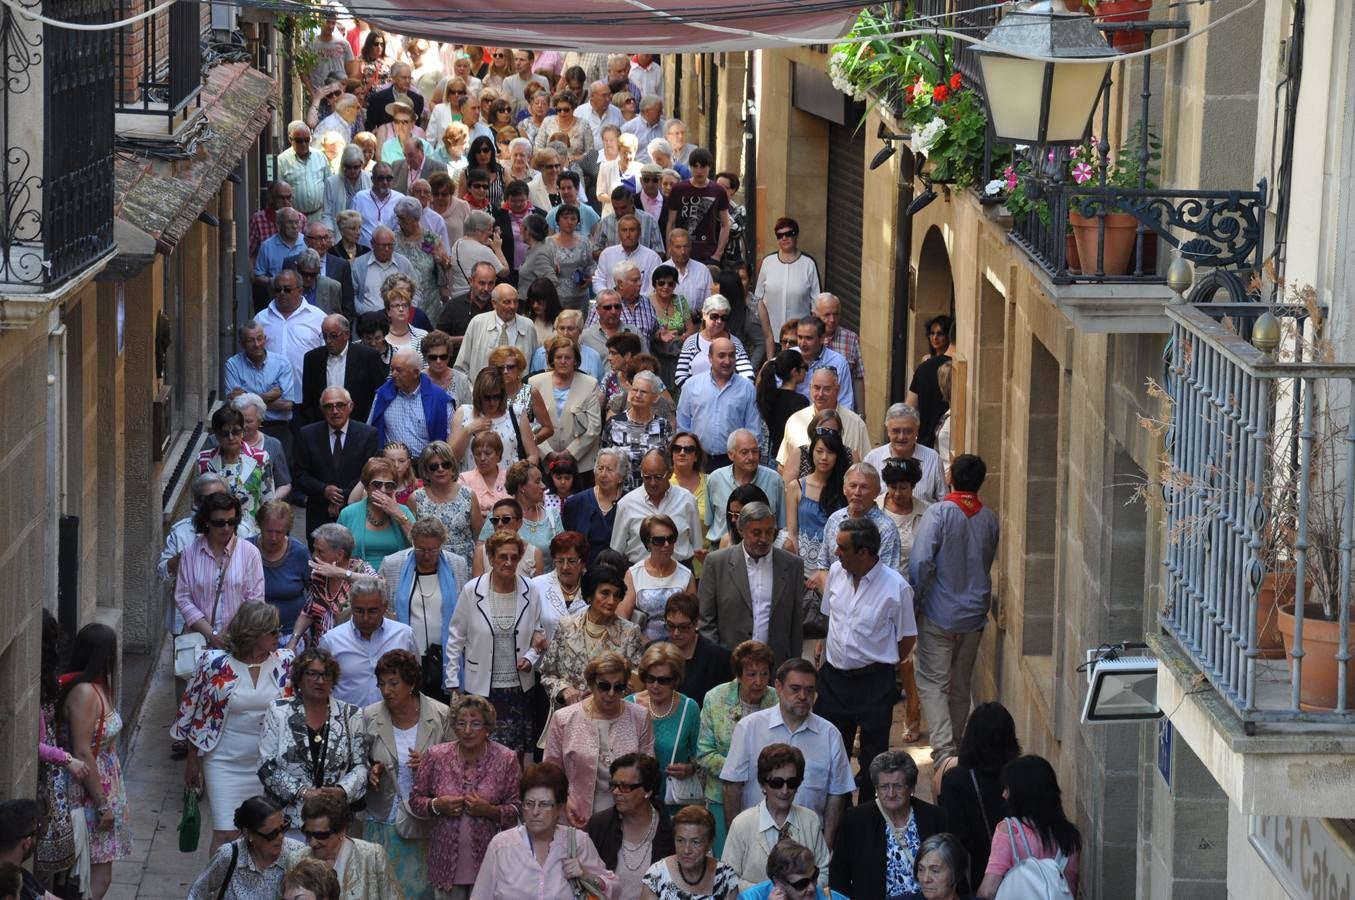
564, 121
792, 874
400, 730
379, 523
222, 712
637, 832
467, 789
264, 446
694, 357
639, 428
878, 841
247, 472
579, 638
436, 348
334, 569
676, 719
254, 864
426, 254
585, 737
286, 563
492, 632
218, 572
780, 772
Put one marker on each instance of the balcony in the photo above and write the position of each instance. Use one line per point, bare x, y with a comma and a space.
56, 174
159, 65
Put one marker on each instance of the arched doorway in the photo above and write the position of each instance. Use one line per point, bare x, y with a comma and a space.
933, 292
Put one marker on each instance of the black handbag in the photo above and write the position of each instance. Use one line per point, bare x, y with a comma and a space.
430, 684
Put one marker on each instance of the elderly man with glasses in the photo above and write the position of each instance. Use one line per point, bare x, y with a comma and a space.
330, 454
304, 169
377, 204
292, 327
340, 363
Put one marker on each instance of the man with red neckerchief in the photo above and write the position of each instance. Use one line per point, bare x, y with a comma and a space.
949, 567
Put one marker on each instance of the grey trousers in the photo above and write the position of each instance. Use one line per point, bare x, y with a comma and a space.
945, 668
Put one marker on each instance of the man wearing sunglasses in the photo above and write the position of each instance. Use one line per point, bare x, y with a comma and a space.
827, 785
330, 453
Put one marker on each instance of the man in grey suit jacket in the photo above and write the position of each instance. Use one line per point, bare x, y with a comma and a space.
501, 325
380, 264
414, 166
326, 293
753, 590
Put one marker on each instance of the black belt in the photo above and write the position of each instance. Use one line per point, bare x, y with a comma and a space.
868, 669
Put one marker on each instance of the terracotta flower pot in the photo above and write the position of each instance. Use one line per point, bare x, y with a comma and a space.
1321, 643
1121, 229
1125, 11
1071, 255
1277, 590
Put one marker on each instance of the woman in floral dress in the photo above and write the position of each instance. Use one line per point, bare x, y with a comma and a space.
90, 728
425, 252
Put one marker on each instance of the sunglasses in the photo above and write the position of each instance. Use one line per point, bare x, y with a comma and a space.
437, 466
665, 283
786, 234
609, 307
684, 448
623, 786
502, 520
493, 398
650, 178
224, 523
663, 540
269, 835
610, 687
665, 680
381, 486
801, 884
437, 357
301, 140
776, 783
717, 317
317, 835
383, 177
230, 432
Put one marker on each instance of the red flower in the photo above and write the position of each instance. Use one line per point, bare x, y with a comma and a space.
956, 81
908, 93
940, 93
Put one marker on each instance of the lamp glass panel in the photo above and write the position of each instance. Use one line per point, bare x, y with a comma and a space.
1013, 87
1072, 98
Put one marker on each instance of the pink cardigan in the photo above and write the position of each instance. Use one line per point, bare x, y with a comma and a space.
572, 743
441, 772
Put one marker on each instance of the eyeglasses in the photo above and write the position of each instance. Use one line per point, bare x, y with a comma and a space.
224, 523
677, 627
318, 835
824, 432
684, 448
472, 725
655, 478
567, 562
788, 342
666, 282
437, 357
623, 786
301, 140
717, 316
383, 177
381, 485
776, 783
539, 805
650, 178
438, 466
493, 398
339, 404
502, 520
508, 367
269, 835
801, 884
786, 234
665, 680
610, 687
230, 432
890, 787
663, 540
289, 290
551, 166
316, 675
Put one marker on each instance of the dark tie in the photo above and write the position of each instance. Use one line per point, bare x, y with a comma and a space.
338, 443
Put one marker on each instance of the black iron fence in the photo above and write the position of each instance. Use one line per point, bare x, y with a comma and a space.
159, 60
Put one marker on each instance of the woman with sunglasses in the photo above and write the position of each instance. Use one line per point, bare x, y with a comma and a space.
436, 348
792, 874
446, 109
583, 738
222, 712
689, 470
651, 581
444, 498
780, 772
523, 398
483, 156
247, 470
637, 832
676, 718
674, 318
372, 61
787, 283
380, 524
694, 357
500, 67
490, 410
563, 121
218, 572
469, 788
263, 843
691, 873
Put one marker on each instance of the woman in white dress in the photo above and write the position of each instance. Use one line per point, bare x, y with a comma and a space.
562, 587
222, 713
651, 581
490, 410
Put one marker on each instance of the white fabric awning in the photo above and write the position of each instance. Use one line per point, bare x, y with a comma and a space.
617, 25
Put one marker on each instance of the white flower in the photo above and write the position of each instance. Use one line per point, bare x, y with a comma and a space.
994, 187
925, 138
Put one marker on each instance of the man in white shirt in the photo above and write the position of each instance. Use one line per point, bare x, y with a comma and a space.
901, 426
377, 203
598, 111
823, 394
498, 327
828, 776
657, 496
694, 281
647, 74
871, 630
629, 250
292, 326
358, 644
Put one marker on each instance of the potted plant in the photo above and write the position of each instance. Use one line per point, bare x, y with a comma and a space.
1123, 11
1126, 171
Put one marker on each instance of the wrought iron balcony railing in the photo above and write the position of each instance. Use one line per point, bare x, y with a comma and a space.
1259, 492
159, 60
56, 173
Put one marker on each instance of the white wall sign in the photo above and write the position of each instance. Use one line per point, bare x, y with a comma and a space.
1311, 858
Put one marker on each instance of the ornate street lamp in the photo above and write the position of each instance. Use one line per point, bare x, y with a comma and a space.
1043, 103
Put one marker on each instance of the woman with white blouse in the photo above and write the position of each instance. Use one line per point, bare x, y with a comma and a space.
787, 282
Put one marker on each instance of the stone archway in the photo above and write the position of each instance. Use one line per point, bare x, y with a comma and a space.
933, 292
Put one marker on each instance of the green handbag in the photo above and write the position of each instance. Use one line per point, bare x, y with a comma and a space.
190, 823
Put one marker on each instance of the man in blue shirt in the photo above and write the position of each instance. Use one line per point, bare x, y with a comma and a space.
256, 371
812, 334
274, 251
744, 468
948, 566
717, 402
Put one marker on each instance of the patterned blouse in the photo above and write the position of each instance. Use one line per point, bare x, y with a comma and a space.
249, 477
571, 649
248, 880
659, 880
287, 767
720, 712
328, 608
202, 712
636, 439
900, 851
454, 514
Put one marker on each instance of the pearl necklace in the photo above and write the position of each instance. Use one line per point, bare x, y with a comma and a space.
672, 702
640, 851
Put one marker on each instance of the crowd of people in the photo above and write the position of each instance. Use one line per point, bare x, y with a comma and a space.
580, 487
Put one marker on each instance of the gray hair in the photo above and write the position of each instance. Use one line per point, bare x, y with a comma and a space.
754, 512
949, 848
734, 436
251, 325
382, 230
336, 536
479, 221
296, 126
397, 68
352, 156
864, 469
308, 258
428, 526
348, 216
408, 208
648, 101
654, 381
902, 411
608, 292
659, 145
520, 142
716, 303
863, 534
203, 482
825, 295
247, 399
622, 460
620, 269
618, 57
894, 761
363, 585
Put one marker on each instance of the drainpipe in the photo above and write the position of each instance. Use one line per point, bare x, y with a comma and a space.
750, 156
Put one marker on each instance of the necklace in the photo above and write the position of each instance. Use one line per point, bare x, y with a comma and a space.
640, 851
588, 629
692, 882
672, 702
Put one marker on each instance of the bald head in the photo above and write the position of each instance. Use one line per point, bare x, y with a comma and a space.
823, 388
722, 358
505, 299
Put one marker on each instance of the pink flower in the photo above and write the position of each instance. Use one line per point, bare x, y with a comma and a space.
1082, 173
1010, 175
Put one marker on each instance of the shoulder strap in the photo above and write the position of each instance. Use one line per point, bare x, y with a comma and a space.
682, 720
983, 810
230, 871
1011, 840
517, 429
